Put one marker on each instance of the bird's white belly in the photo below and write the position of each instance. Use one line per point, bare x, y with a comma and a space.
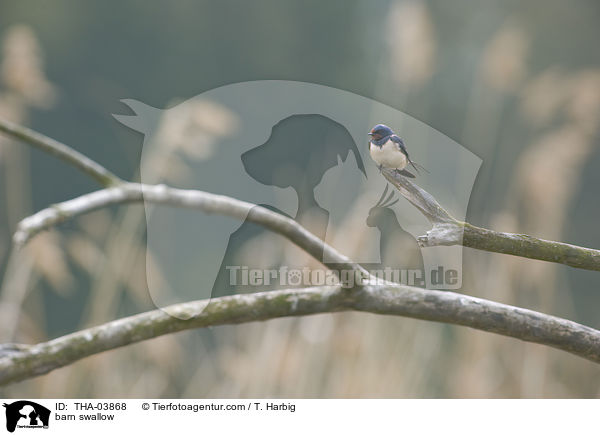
388, 155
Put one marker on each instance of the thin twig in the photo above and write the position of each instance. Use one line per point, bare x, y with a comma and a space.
26, 362
447, 230
62, 151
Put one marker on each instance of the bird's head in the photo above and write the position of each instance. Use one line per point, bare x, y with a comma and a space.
380, 131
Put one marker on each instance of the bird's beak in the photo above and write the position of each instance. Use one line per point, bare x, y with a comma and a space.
370, 133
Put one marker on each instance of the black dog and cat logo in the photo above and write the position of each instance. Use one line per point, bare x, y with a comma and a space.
25, 414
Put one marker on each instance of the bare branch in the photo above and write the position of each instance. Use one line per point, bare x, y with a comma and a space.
194, 199
446, 230
62, 151
18, 362
422, 200
21, 362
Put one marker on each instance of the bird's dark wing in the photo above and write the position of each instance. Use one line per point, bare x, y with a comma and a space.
400, 143
402, 148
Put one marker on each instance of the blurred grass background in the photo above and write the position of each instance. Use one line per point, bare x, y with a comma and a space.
517, 83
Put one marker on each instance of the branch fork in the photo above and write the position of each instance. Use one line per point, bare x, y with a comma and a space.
447, 230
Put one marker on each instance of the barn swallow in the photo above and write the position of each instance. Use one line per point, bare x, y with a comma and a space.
389, 151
